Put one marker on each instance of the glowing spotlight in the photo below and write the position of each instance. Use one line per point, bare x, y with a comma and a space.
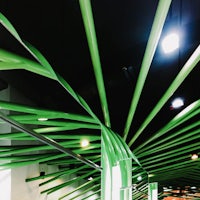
177, 103
85, 143
194, 156
90, 178
139, 178
170, 43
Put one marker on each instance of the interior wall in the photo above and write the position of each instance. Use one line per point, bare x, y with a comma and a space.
30, 190
5, 175
12, 182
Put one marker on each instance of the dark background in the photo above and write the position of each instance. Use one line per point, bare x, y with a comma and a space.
122, 28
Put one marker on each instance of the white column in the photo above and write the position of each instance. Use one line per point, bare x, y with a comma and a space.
5, 175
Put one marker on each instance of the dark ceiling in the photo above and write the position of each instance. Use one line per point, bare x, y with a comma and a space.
122, 27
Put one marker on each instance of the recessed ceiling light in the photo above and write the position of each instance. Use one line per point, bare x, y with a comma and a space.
170, 43
139, 178
90, 178
194, 156
85, 143
177, 103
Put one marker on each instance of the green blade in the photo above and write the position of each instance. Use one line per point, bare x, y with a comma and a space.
87, 16
33, 51
157, 26
185, 71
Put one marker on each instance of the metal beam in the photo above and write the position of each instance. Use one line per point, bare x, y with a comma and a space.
47, 141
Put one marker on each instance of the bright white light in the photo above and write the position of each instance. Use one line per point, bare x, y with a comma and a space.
139, 178
90, 179
84, 143
177, 103
194, 156
170, 43
42, 119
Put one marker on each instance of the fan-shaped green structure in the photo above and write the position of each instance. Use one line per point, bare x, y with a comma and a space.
113, 162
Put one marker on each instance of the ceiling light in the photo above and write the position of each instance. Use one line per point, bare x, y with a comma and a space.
194, 156
177, 103
84, 143
139, 178
90, 179
170, 43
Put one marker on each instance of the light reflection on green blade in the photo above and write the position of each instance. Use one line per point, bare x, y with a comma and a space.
158, 23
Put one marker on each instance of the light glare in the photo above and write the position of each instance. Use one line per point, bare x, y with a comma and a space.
177, 103
194, 156
170, 43
90, 179
139, 178
84, 143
